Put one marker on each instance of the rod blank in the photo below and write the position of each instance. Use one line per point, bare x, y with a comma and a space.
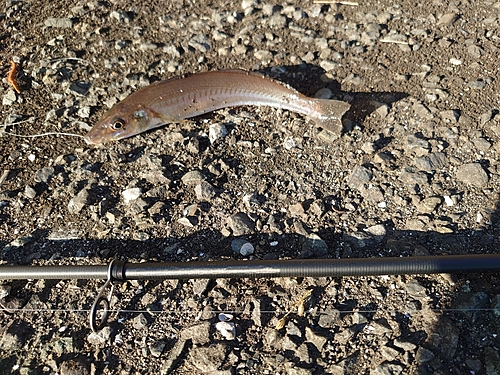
120, 270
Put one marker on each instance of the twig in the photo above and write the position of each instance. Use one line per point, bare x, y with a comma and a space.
18, 122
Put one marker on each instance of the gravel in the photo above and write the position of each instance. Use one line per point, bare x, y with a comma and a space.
415, 172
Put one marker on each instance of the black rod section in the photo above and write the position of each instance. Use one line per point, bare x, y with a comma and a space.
474, 263
314, 267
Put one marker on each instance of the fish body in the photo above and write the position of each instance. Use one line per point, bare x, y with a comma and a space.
177, 99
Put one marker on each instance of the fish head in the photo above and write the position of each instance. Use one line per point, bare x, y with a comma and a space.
122, 121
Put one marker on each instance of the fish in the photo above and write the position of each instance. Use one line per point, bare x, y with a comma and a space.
180, 98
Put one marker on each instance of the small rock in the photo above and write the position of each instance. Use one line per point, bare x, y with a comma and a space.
241, 224
447, 19
156, 348
431, 162
61, 23
193, 177
140, 322
428, 205
387, 368
44, 174
204, 191
405, 345
477, 84
217, 131
424, 355
208, 359
199, 334
131, 194
472, 174
76, 204
359, 176
241, 246
9, 98
226, 329
329, 318
99, 338
315, 339
29, 192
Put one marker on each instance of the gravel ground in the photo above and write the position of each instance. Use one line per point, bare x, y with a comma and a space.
415, 172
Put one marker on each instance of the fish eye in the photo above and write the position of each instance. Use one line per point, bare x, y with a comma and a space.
117, 124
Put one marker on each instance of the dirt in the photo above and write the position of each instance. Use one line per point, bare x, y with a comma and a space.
415, 172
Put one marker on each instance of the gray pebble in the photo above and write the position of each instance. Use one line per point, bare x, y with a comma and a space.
200, 42
329, 318
174, 356
204, 191
29, 192
9, 98
417, 145
62, 23
120, 16
241, 246
428, 205
432, 161
148, 46
44, 174
477, 84
241, 224
140, 322
199, 334
317, 340
156, 348
405, 345
424, 355
387, 369
359, 176
472, 174
193, 177
208, 359
76, 204
217, 131
101, 337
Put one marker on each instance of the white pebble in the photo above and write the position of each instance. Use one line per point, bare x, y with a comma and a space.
227, 330
247, 249
448, 200
131, 194
216, 131
31, 157
454, 61
289, 143
382, 204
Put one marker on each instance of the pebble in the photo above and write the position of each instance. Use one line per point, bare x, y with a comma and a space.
44, 174
472, 174
61, 23
241, 224
424, 355
204, 191
208, 359
199, 334
241, 246
226, 329
314, 338
29, 192
359, 176
9, 98
131, 194
76, 204
74, 367
432, 161
428, 205
140, 322
101, 337
216, 132
193, 177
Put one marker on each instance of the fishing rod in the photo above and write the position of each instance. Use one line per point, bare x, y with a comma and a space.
120, 271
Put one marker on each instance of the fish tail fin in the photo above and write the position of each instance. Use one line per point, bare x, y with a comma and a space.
328, 114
